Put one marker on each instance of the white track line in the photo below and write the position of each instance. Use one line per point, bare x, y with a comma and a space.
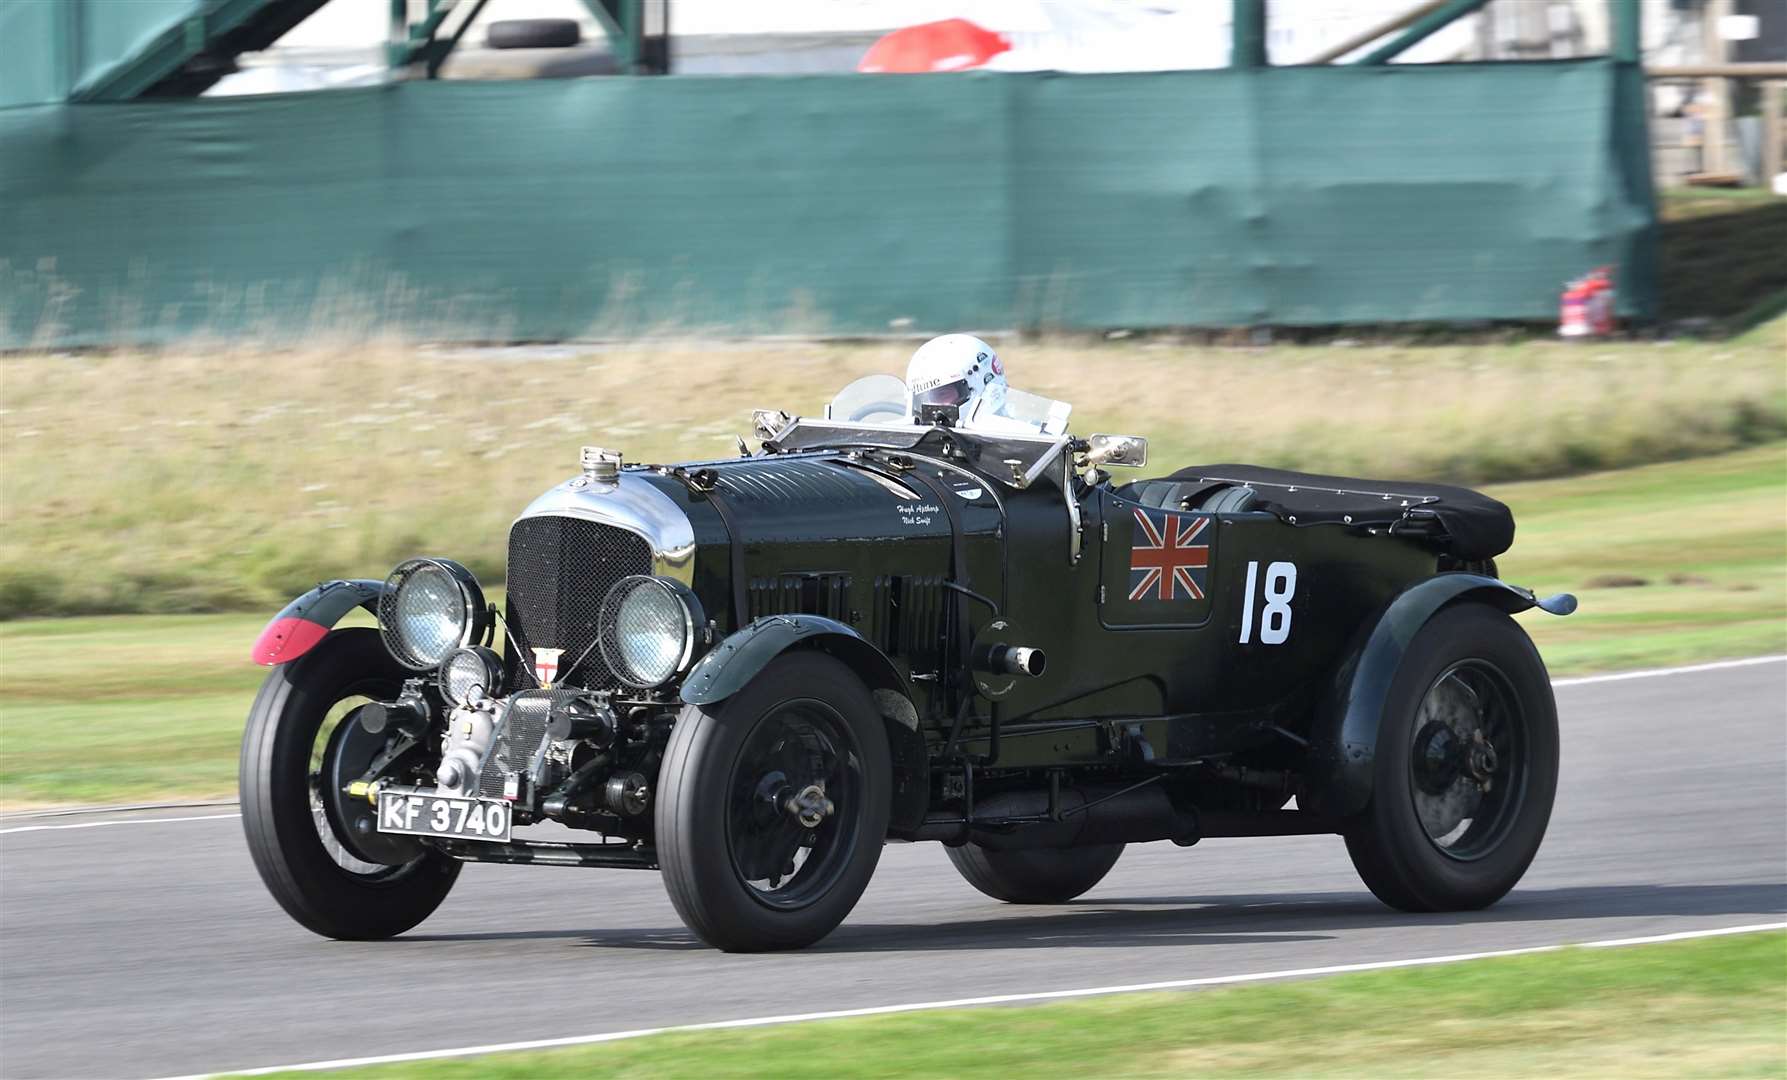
1684, 935
121, 821
1651, 673
1581, 680
994, 999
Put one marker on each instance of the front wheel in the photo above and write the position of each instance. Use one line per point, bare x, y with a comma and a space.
1466, 769
317, 851
1034, 875
773, 807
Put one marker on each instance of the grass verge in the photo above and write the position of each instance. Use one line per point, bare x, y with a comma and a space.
228, 481
1674, 563
1712, 1007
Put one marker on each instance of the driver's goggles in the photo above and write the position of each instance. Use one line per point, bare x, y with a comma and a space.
948, 394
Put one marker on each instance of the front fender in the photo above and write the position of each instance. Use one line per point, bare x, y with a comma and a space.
1343, 742
726, 669
306, 620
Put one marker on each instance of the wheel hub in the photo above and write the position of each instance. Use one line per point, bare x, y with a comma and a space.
798, 786
1437, 759
810, 806
1465, 759
773, 791
1480, 762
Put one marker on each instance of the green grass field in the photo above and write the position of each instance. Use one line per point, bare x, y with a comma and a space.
128, 708
1712, 1007
1678, 562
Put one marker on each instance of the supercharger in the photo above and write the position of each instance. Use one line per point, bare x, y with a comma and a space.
471, 733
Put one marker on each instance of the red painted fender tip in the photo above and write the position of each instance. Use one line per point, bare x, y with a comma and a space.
287, 639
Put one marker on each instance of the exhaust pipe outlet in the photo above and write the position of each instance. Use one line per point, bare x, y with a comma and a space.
1003, 659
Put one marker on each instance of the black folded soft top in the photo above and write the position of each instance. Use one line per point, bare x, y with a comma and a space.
1465, 524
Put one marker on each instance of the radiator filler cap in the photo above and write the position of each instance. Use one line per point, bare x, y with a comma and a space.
600, 464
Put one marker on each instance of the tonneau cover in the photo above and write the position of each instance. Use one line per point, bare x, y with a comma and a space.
1463, 523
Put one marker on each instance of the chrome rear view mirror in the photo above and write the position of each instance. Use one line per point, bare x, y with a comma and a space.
768, 423
1122, 451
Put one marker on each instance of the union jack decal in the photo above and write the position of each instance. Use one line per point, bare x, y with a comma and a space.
1164, 559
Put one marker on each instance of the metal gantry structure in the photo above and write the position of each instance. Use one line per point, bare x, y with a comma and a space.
1416, 25
638, 33
186, 57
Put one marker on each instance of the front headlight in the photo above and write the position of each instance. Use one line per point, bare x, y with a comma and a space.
468, 673
648, 628
429, 608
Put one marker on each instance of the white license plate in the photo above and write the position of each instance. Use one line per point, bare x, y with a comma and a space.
414, 813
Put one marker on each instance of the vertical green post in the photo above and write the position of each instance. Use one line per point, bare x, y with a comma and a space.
1632, 152
631, 24
397, 47
1626, 18
69, 56
1249, 47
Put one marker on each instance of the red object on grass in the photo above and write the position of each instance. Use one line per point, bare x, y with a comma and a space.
948, 45
1587, 305
287, 639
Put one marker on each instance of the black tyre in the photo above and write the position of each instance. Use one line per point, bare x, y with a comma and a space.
772, 808
334, 879
533, 34
1035, 875
1466, 769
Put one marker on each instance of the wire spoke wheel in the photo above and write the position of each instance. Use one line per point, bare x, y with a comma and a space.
795, 789
330, 829
1467, 765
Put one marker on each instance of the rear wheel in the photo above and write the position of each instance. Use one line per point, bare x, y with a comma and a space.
1035, 875
773, 807
316, 850
1466, 769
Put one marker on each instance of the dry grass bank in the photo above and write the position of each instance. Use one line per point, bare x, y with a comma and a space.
222, 479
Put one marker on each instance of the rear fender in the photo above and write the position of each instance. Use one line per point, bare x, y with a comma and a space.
306, 620
743, 655
1343, 742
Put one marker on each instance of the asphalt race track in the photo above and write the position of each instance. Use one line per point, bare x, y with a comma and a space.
150, 949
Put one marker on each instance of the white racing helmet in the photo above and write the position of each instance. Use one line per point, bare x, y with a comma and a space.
959, 370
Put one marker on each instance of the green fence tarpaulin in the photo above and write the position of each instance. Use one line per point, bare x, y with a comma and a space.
826, 204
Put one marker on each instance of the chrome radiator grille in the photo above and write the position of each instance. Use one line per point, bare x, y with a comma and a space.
560, 568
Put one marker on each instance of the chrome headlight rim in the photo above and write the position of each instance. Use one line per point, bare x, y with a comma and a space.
473, 612
690, 620
487, 676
